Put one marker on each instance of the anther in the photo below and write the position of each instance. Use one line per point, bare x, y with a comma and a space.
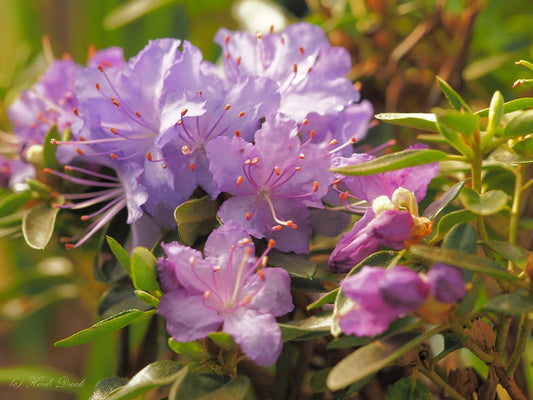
149, 156
138, 114
106, 63
357, 85
334, 142
192, 167
301, 156
115, 102
47, 170
114, 131
337, 181
302, 51
227, 107
271, 29
226, 40
239, 180
255, 160
248, 216
80, 152
237, 133
101, 68
276, 228
179, 122
183, 112
53, 141
227, 56
259, 35
246, 300
276, 169
217, 268
305, 122
207, 294
244, 241
75, 111
297, 168
185, 149
247, 161
261, 273
241, 114
315, 186
295, 68
238, 61
84, 217
312, 134
271, 243
69, 246
291, 224
113, 156
97, 86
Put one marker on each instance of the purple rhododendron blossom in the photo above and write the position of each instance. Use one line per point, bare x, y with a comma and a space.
309, 71
228, 289
13, 173
272, 182
446, 283
380, 296
390, 228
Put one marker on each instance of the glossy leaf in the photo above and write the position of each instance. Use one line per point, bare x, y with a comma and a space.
101, 328
195, 218
462, 260
510, 106
434, 209
157, 374
106, 386
222, 340
122, 255
453, 137
511, 252
425, 121
143, 269
461, 122
520, 125
194, 350
369, 359
487, 203
390, 162
452, 219
328, 298
408, 389
297, 265
315, 325
510, 304
38, 225
147, 298
453, 97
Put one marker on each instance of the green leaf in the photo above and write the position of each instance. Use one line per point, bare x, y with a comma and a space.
316, 325
520, 125
106, 386
328, 298
194, 350
222, 340
510, 304
394, 161
13, 201
194, 386
370, 358
31, 376
38, 225
343, 342
510, 106
408, 389
108, 325
495, 115
462, 237
147, 298
508, 156
454, 137
462, 260
461, 122
511, 252
157, 374
297, 265
526, 64
128, 12
143, 269
434, 209
317, 383
453, 97
487, 203
195, 218
425, 121
236, 389
122, 255
49, 150
452, 219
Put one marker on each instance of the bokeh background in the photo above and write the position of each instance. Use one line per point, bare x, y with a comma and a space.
397, 48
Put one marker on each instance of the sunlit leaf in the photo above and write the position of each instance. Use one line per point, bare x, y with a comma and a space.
520, 125
147, 298
461, 122
487, 203
49, 150
195, 218
194, 350
511, 106
495, 115
101, 328
425, 121
222, 340
143, 269
454, 138
122, 255
453, 97
393, 161
38, 225
461, 237
315, 325
13, 201
452, 219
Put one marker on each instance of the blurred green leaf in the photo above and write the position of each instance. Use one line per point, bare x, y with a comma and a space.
297, 265
464, 123
143, 269
425, 121
452, 219
328, 298
507, 250
49, 150
118, 298
454, 137
487, 203
236, 389
132, 10
434, 209
507, 156
195, 218
408, 388
195, 386
520, 125
510, 106
106, 386
222, 340
194, 350
108, 325
122, 255
317, 383
461, 237
510, 304
495, 115
147, 298
394, 161
13, 201
38, 225
316, 325
453, 97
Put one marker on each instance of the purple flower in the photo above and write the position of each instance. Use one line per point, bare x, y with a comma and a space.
380, 296
13, 173
310, 73
446, 283
391, 228
228, 289
272, 182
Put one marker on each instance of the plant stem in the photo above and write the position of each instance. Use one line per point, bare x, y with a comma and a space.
503, 331
441, 383
524, 329
477, 163
517, 202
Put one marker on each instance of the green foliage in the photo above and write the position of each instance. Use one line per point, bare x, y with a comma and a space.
408, 389
195, 218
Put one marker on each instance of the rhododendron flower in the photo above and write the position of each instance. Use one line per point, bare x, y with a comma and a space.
272, 182
446, 283
228, 289
380, 296
309, 71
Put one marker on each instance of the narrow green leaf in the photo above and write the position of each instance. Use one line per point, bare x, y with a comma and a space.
390, 162
511, 252
408, 389
448, 221
526, 64
143, 269
222, 340
453, 97
194, 350
195, 218
369, 359
462, 260
49, 150
101, 328
510, 304
236, 389
495, 116
157, 374
425, 121
461, 122
147, 298
38, 225
130, 11
434, 209
122, 255
510, 106
319, 325
328, 298
520, 125
487, 203
13, 201
454, 138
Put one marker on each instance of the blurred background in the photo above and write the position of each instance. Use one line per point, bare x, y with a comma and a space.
397, 48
